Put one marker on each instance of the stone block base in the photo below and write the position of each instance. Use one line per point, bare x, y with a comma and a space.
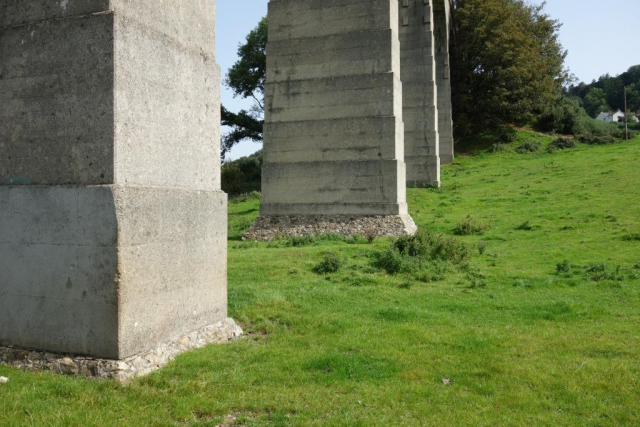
267, 228
121, 370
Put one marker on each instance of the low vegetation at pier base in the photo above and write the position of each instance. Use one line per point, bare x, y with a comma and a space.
535, 325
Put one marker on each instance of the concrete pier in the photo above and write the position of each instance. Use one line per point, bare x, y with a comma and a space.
112, 222
442, 20
334, 136
420, 94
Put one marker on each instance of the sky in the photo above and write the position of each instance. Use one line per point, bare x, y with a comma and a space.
601, 37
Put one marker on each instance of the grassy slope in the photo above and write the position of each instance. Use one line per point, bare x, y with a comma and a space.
363, 348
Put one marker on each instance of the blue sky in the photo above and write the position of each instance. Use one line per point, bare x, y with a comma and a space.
601, 37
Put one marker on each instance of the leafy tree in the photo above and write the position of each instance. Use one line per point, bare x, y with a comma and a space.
507, 63
613, 89
247, 79
595, 102
633, 97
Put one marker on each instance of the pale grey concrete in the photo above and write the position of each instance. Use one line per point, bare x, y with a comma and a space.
334, 137
112, 222
442, 19
420, 95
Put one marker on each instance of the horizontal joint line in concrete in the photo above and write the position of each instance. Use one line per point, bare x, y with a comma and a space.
338, 77
333, 162
61, 18
49, 297
348, 33
115, 186
332, 120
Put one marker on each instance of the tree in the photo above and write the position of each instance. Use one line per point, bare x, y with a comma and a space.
633, 97
247, 79
507, 63
595, 102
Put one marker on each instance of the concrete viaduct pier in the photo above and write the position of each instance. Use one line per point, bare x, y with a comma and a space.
354, 112
113, 227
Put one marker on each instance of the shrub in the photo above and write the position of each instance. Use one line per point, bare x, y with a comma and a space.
561, 144
482, 247
599, 272
331, 263
497, 148
245, 197
476, 279
594, 139
633, 237
470, 226
565, 117
243, 175
433, 272
390, 261
431, 247
293, 242
563, 267
507, 135
525, 226
529, 147
422, 251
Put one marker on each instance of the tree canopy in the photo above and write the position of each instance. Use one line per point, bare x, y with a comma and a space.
608, 92
507, 63
247, 78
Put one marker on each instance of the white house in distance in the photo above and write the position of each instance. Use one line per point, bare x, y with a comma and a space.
617, 117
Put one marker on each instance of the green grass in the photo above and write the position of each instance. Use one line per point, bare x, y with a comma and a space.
522, 340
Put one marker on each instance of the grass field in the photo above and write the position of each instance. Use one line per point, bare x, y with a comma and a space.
511, 339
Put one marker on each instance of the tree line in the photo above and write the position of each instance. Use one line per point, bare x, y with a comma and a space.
607, 93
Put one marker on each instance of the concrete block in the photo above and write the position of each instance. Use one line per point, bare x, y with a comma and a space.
375, 95
296, 19
356, 138
112, 222
338, 182
349, 54
57, 112
109, 271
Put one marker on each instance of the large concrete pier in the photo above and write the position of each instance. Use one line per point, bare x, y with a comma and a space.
112, 222
334, 137
442, 26
420, 93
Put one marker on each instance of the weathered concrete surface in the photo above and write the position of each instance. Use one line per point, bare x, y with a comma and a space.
334, 137
420, 97
442, 21
84, 92
112, 222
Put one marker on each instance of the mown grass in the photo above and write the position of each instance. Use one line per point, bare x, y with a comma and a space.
532, 332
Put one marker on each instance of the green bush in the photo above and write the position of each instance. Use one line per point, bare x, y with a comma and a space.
594, 139
470, 226
498, 148
390, 261
600, 272
561, 144
563, 267
331, 263
565, 117
529, 147
242, 176
420, 251
632, 237
525, 226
